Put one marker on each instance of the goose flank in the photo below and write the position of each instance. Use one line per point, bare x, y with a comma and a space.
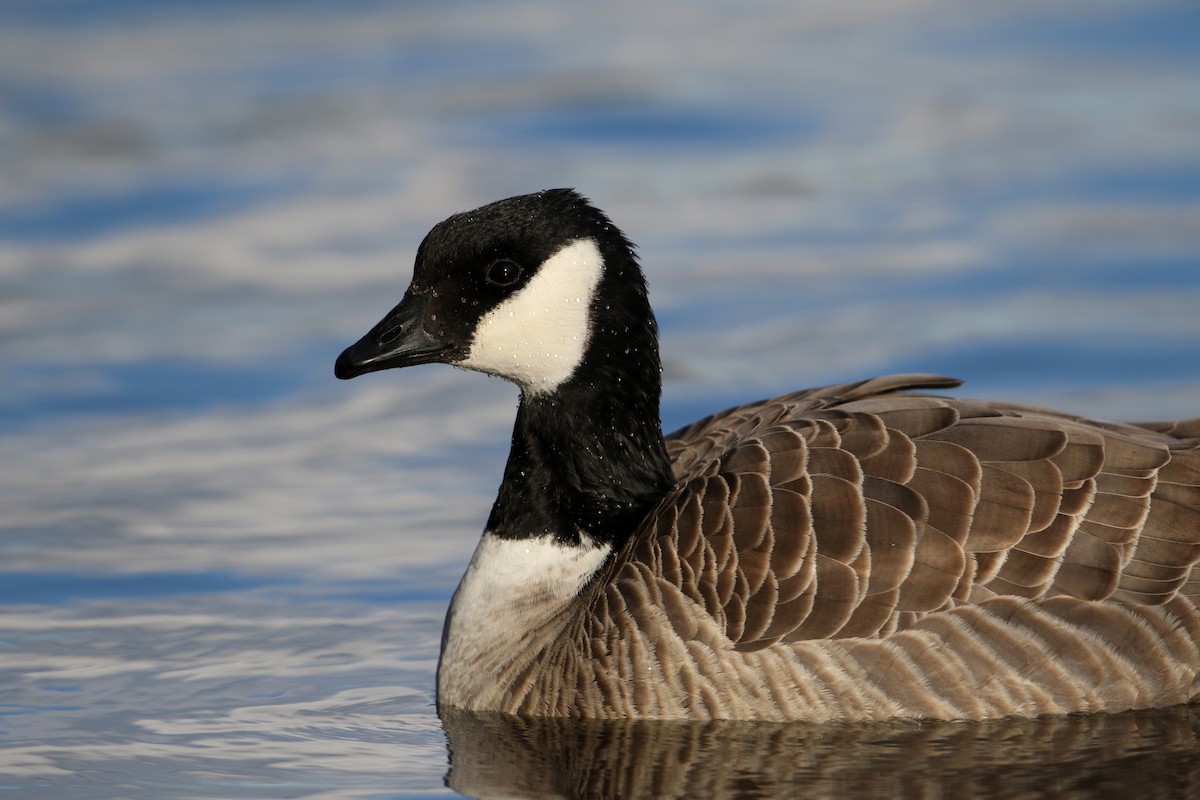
862, 551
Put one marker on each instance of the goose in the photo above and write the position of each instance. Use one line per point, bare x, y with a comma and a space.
865, 551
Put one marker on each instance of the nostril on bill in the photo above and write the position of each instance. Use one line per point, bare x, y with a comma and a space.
390, 334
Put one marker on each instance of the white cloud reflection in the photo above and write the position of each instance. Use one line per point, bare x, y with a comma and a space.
327, 701
397, 474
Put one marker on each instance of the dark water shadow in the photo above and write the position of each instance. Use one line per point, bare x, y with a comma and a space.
1146, 755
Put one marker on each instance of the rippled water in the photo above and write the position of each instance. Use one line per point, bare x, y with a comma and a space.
222, 573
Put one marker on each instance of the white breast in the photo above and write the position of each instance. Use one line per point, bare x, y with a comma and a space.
508, 607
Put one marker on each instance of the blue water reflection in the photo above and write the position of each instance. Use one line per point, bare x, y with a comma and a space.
645, 125
79, 217
58, 588
148, 387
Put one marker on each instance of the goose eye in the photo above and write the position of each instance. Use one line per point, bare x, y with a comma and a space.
503, 273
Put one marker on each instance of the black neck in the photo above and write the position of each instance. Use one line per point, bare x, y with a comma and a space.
589, 457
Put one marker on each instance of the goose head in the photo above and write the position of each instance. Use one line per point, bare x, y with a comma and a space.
544, 291
540, 289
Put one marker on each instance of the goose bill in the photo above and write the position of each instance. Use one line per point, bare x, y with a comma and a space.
399, 340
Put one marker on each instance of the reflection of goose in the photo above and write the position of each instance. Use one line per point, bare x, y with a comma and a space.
1144, 754
851, 552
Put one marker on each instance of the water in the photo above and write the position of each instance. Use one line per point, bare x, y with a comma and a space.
1123, 755
222, 573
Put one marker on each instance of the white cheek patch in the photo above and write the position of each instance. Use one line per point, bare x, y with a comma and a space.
537, 337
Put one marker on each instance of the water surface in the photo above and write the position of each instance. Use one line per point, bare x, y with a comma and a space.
223, 573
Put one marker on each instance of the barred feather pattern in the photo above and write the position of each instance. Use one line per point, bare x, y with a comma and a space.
859, 552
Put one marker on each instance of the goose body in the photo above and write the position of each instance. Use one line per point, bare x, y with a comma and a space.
854, 552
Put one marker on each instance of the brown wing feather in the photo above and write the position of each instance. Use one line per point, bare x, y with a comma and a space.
854, 511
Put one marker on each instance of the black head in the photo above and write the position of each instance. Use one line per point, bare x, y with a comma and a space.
509, 289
